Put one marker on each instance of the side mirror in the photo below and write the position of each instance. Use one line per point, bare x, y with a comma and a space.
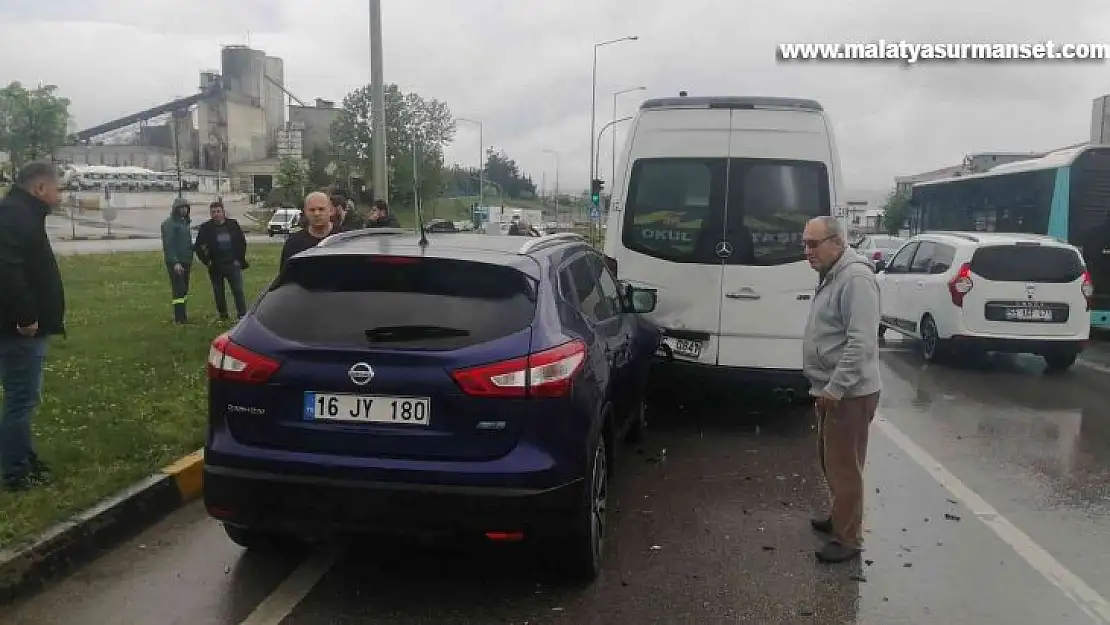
880, 265
642, 300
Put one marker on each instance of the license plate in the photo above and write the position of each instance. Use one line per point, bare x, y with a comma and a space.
683, 347
367, 409
1028, 314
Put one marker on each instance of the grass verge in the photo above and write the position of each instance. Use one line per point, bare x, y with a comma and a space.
124, 393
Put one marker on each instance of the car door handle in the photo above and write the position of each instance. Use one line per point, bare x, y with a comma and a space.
743, 295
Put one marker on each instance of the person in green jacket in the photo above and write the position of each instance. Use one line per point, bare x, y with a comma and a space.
177, 249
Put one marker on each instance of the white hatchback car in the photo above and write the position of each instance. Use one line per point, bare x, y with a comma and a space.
966, 293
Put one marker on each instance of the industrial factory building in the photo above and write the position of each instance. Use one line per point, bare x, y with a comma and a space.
236, 125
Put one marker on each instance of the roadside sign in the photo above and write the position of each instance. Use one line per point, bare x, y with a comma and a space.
595, 214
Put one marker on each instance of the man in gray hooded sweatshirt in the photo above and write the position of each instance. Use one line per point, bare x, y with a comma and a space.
841, 360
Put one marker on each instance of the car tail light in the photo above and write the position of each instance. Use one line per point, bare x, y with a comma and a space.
233, 362
612, 264
394, 260
876, 255
961, 285
1088, 288
543, 374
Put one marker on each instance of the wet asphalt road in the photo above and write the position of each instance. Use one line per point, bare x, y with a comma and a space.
715, 529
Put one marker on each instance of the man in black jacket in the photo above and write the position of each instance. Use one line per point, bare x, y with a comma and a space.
319, 225
32, 308
345, 218
221, 246
380, 217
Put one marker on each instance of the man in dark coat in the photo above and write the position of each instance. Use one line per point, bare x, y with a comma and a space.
32, 308
346, 219
380, 217
221, 246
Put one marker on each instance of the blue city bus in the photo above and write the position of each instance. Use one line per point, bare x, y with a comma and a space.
1064, 194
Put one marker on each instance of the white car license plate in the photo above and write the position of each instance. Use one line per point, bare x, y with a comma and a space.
367, 409
683, 347
1029, 314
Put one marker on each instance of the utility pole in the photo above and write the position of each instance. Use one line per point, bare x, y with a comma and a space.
177, 152
377, 97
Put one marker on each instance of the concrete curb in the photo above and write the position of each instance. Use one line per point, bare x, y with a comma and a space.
98, 529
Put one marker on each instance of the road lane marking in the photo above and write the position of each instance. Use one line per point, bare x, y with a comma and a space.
1088, 600
291, 591
1101, 368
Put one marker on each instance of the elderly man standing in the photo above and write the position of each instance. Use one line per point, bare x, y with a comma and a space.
32, 308
841, 360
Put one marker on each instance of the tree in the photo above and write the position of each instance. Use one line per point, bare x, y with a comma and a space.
410, 120
895, 212
290, 183
504, 171
33, 122
318, 162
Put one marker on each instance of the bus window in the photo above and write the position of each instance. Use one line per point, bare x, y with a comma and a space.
675, 209
769, 203
1019, 202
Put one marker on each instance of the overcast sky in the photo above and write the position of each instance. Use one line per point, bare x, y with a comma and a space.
523, 67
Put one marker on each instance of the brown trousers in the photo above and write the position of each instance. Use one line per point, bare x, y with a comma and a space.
842, 450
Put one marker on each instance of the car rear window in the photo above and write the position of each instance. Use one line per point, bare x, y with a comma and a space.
396, 303
1027, 263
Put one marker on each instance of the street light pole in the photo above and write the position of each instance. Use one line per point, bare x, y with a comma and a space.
377, 98
593, 100
607, 127
613, 170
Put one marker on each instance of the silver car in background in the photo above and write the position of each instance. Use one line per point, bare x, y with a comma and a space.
878, 246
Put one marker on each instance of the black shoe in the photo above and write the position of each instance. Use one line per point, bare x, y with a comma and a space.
18, 483
821, 525
835, 552
39, 469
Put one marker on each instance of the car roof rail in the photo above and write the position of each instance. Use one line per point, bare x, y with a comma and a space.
548, 240
360, 233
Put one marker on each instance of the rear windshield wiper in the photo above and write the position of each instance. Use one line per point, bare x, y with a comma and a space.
390, 334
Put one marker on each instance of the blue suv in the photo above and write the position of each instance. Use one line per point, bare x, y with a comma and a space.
457, 383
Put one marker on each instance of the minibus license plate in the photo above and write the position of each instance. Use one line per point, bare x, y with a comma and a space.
684, 347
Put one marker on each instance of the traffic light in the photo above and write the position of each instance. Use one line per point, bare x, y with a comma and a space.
595, 191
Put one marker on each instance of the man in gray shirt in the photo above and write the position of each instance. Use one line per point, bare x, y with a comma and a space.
841, 361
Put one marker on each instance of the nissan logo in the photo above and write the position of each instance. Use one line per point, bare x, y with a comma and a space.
724, 249
361, 373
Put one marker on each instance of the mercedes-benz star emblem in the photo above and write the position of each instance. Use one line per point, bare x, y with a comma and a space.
361, 373
724, 249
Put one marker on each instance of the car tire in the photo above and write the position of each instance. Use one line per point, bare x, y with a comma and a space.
639, 423
1059, 362
933, 348
257, 540
580, 551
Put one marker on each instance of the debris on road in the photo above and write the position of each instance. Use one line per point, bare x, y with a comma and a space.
951, 517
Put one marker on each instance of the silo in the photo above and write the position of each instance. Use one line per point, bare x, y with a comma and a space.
273, 99
243, 70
